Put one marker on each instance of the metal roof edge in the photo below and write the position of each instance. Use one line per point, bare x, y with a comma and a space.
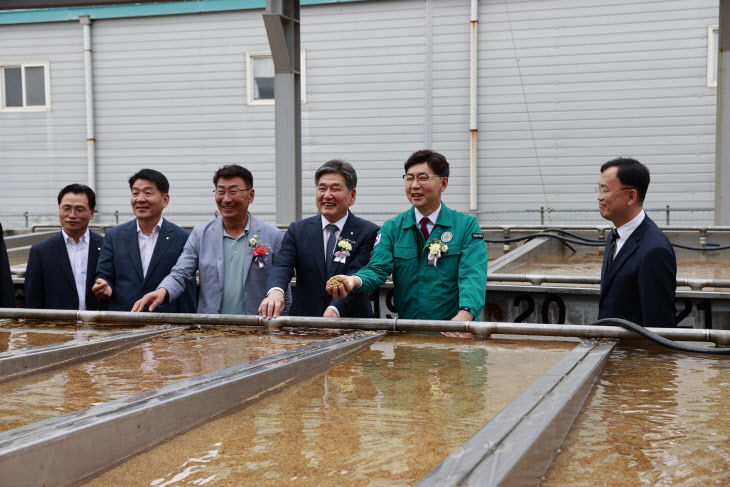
66, 14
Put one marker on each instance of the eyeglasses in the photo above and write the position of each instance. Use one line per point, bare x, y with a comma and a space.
77, 211
422, 178
600, 192
233, 192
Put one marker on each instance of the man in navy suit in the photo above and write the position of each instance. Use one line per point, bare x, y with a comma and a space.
61, 268
333, 242
137, 255
7, 289
639, 275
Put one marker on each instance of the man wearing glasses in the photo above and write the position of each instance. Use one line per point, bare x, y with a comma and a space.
234, 253
639, 274
436, 255
61, 269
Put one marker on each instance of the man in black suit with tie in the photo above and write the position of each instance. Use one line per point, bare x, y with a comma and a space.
7, 290
333, 242
639, 274
62, 268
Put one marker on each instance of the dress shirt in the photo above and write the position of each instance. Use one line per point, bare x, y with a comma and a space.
625, 231
235, 265
432, 219
78, 255
147, 245
340, 224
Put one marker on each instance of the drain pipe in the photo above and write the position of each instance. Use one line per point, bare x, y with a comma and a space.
473, 206
85, 21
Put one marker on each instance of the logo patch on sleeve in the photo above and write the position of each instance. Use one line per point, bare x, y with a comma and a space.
377, 240
477, 235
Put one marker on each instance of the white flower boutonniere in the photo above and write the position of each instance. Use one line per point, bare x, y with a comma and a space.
344, 247
435, 249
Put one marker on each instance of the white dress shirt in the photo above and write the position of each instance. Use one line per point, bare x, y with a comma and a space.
147, 245
432, 219
625, 231
340, 224
78, 255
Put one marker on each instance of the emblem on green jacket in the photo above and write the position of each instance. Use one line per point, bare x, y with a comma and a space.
446, 237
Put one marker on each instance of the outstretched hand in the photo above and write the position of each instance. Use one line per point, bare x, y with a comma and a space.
272, 305
153, 299
340, 286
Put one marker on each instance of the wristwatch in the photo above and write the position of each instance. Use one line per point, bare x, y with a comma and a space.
467, 309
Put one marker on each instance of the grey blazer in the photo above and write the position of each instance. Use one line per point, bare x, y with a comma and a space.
204, 251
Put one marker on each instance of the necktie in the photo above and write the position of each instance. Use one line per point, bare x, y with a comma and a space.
331, 241
424, 228
612, 251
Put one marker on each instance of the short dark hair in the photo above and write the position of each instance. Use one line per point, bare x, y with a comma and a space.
437, 162
631, 173
233, 171
155, 176
79, 189
338, 166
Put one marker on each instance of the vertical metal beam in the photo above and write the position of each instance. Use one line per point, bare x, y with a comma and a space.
429, 74
722, 130
282, 28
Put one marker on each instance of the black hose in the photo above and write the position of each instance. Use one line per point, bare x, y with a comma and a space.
660, 340
578, 240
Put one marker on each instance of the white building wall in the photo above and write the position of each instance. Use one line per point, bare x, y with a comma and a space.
594, 81
40, 152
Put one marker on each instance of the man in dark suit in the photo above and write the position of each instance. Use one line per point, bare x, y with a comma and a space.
639, 274
61, 269
7, 289
137, 255
333, 242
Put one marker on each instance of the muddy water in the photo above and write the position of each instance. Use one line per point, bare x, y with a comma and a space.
654, 418
15, 335
154, 363
690, 265
387, 417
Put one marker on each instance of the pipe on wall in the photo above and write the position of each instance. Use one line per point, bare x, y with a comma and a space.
85, 21
473, 206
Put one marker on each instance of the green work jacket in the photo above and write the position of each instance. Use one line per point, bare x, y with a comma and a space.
423, 291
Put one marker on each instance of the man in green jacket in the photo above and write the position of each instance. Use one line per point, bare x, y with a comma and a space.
436, 255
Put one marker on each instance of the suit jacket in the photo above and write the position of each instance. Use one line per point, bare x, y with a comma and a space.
642, 280
303, 250
120, 264
7, 289
204, 252
49, 279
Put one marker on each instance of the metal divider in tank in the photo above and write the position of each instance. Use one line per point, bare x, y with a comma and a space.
19, 363
68, 448
518, 444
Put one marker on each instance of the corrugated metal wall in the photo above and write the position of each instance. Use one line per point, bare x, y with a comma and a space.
594, 81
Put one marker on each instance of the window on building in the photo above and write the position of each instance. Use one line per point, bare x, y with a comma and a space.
713, 33
260, 78
25, 87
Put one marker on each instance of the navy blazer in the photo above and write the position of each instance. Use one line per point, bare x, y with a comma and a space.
49, 279
120, 265
642, 280
7, 289
303, 250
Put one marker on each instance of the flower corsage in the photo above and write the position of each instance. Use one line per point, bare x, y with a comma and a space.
345, 246
260, 251
435, 248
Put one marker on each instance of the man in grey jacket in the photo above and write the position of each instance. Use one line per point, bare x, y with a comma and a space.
233, 253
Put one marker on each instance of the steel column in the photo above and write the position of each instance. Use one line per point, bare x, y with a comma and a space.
722, 130
282, 28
